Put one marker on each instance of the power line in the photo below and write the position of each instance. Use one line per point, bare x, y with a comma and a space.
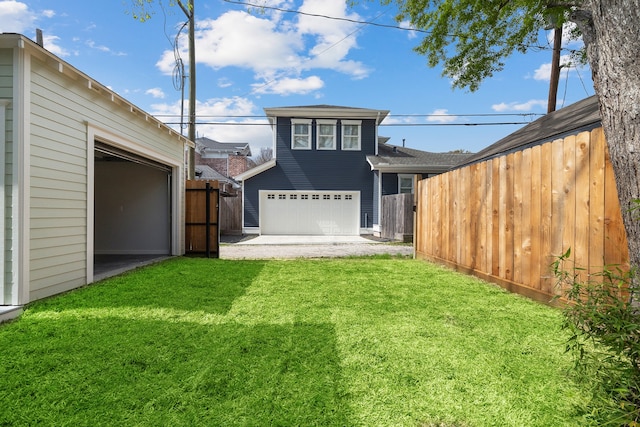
357, 21
241, 116
318, 15
381, 125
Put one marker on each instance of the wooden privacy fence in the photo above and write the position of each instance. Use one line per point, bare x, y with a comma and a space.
397, 217
231, 214
202, 232
508, 218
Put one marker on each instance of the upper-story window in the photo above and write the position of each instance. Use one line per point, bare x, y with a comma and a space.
326, 134
300, 134
351, 130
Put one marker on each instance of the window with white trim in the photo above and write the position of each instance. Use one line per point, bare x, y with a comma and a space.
326, 134
300, 134
405, 183
351, 134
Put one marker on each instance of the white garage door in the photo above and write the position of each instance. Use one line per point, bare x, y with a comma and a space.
332, 213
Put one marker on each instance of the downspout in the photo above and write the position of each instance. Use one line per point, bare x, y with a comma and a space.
376, 133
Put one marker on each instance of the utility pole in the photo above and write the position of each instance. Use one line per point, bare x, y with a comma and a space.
192, 89
189, 11
555, 69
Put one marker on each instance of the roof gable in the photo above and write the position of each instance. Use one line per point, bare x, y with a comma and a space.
326, 111
225, 147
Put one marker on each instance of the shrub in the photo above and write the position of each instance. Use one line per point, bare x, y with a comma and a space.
603, 319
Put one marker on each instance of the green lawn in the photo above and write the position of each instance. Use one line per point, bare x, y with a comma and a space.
353, 342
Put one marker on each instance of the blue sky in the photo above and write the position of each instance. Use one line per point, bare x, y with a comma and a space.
249, 60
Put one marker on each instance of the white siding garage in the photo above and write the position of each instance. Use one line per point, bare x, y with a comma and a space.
333, 213
61, 198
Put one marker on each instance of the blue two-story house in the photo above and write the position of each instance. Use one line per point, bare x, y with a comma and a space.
327, 172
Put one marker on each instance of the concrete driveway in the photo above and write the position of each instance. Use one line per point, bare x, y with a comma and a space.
291, 247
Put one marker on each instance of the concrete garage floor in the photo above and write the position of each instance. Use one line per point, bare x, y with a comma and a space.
111, 265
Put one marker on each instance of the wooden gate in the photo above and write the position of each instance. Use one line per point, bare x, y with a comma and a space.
397, 217
202, 231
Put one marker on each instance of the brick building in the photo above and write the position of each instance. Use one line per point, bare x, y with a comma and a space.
227, 158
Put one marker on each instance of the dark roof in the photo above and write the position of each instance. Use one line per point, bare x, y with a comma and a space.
324, 111
391, 158
213, 145
208, 173
581, 116
320, 106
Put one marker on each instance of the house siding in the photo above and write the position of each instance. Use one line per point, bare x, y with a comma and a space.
376, 194
327, 170
61, 108
6, 145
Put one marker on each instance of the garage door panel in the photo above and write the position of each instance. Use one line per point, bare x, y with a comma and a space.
310, 212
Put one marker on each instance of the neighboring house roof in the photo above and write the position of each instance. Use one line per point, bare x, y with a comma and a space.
326, 112
394, 159
206, 145
581, 116
255, 171
205, 172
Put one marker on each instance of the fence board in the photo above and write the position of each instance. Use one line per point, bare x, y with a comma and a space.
596, 205
478, 215
507, 254
569, 197
525, 216
535, 218
518, 201
453, 223
508, 218
546, 213
437, 212
495, 220
582, 188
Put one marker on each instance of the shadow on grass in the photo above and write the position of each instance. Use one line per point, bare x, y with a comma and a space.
190, 284
114, 371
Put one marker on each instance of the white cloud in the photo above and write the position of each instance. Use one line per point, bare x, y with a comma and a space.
156, 92
224, 82
440, 116
407, 25
15, 17
255, 131
48, 13
51, 44
271, 46
289, 86
523, 106
103, 48
333, 39
543, 73
401, 120
567, 36
237, 39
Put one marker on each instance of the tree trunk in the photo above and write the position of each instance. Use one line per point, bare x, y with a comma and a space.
611, 32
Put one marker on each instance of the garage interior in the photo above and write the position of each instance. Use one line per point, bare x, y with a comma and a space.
132, 211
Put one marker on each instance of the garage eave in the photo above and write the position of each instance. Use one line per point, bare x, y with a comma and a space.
255, 171
23, 42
